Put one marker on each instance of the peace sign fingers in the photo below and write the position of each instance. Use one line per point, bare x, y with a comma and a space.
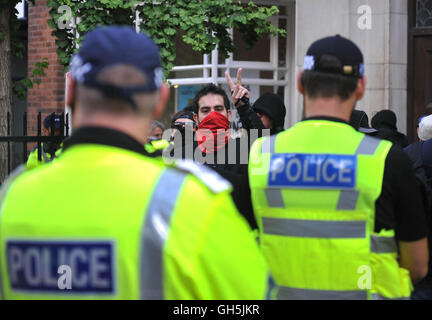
237, 91
239, 76
231, 84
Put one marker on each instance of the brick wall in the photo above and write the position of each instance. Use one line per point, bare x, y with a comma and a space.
48, 97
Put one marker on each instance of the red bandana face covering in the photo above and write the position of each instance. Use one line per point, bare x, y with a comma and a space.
213, 132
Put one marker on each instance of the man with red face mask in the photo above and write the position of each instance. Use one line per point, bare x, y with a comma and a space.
215, 148
213, 117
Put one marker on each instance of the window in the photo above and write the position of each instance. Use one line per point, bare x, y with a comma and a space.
424, 13
21, 7
260, 52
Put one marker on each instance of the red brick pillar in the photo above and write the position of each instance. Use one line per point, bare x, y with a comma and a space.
48, 97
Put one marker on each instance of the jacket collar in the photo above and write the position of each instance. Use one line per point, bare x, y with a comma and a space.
326, 119
104, 136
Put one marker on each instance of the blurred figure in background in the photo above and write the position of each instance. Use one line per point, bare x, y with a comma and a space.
49, 149
360, 121
157, 129
424, 128
183, 120
156, 144
427, 112
420, 153
182, 136
385, 122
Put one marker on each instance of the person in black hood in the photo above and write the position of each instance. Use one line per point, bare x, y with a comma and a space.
385, 122
271, 109
360, 121
183, 128
182, 121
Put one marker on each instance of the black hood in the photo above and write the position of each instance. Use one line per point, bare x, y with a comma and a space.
272, 105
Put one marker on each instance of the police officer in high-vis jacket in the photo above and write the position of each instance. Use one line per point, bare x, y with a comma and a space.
50, 150
340, 213
123, 225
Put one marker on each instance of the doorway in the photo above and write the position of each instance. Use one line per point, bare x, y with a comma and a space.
419, 62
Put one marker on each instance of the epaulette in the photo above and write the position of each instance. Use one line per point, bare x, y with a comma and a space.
207, 176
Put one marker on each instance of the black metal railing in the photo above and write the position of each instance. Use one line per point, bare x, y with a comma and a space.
39, 138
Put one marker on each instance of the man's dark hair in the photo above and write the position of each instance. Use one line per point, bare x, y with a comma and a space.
210, 89
182, 114
328, 85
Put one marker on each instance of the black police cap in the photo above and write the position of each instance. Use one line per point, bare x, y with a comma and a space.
335, 55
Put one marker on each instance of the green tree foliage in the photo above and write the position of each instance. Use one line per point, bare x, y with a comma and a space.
20, 86
205, 23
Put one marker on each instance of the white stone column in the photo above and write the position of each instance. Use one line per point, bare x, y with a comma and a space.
399, 61
384, 46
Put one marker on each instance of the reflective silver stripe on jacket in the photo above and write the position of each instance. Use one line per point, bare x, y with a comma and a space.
348, 198
314, 228
3, 191
286, 293
274, 198
383, 244
368, 146
376, 296
154, 233
327, 230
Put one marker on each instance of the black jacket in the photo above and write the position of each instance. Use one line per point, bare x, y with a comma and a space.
399, 139
250, 120
233, 167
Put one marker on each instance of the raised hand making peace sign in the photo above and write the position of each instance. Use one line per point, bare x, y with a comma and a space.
238, 93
